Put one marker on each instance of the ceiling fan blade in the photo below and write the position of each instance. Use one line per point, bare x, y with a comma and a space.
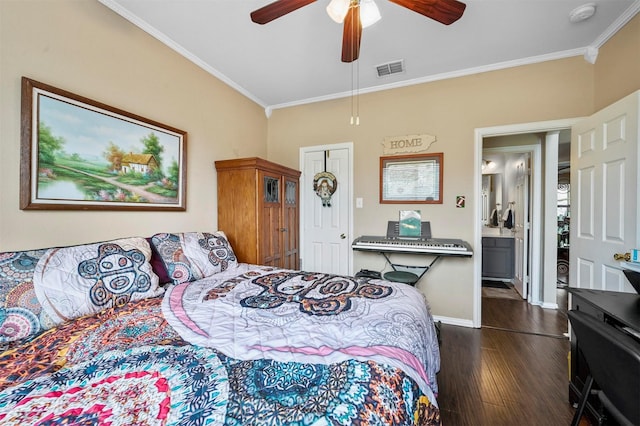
443, 11
277, 9
351, 34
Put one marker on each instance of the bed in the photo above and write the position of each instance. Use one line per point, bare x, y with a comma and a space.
173, 330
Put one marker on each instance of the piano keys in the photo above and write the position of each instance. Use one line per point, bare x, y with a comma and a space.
436, 246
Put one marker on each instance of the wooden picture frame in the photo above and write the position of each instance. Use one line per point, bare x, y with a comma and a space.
411, 179
79, 154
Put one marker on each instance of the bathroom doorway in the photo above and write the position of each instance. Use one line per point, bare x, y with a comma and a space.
506, 190
501, 187
541, 225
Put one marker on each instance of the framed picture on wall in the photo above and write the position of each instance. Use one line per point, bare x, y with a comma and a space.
79, 154
411, 179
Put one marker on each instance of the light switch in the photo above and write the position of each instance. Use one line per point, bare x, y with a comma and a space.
358, 203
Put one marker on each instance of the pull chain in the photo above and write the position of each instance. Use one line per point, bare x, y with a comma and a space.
355, 77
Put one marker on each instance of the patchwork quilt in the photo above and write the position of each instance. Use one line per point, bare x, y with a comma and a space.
255, 312
250, 345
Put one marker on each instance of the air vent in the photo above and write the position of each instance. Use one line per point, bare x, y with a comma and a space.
390, 68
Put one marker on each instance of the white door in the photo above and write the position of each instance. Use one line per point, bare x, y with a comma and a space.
604, 199
521, 211
326, 238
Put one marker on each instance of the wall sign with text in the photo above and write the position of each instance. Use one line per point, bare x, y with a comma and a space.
407, 144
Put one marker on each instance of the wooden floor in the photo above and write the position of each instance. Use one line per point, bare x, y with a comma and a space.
513, 371
517, 315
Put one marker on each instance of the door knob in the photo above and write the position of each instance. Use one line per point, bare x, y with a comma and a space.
622, 256
342, 236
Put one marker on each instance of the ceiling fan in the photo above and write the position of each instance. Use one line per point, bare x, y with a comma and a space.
357, 14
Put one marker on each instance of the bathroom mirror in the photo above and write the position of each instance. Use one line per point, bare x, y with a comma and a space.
491, 197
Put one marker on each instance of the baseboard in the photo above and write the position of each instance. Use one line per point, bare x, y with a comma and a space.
548, 305
454, 321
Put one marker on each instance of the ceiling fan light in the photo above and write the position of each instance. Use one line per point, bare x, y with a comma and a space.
337, 10
369, 13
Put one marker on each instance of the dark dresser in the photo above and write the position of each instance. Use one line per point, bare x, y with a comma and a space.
621, 310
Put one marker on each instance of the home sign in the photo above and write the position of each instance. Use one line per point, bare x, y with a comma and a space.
407, 144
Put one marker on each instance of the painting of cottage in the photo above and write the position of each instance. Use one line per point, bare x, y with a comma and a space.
88, 156
139, 163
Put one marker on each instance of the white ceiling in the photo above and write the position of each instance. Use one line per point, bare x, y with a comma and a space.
296, 59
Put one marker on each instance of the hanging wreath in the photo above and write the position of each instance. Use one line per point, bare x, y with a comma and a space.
324, 185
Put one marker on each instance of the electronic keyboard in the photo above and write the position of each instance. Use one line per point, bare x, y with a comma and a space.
440, 246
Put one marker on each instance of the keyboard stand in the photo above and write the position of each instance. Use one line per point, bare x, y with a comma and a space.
421, 269
411, 274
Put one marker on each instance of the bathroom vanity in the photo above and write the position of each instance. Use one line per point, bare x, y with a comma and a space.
498, 253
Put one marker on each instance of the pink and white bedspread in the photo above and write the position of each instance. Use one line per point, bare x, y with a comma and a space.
255, 312
88, 335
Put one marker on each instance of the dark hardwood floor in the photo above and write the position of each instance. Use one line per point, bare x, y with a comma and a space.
513, 371
517, 315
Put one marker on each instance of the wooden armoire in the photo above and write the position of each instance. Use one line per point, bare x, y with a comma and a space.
258, 210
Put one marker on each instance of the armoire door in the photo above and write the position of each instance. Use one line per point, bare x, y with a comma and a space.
270, 226
290, 224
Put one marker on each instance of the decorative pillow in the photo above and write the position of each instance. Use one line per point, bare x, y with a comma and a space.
71, 282
190, 256
21, 315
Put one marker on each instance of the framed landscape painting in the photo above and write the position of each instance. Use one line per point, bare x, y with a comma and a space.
79, 154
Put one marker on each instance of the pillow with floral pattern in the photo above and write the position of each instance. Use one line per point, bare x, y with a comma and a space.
21, 315
190, 256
